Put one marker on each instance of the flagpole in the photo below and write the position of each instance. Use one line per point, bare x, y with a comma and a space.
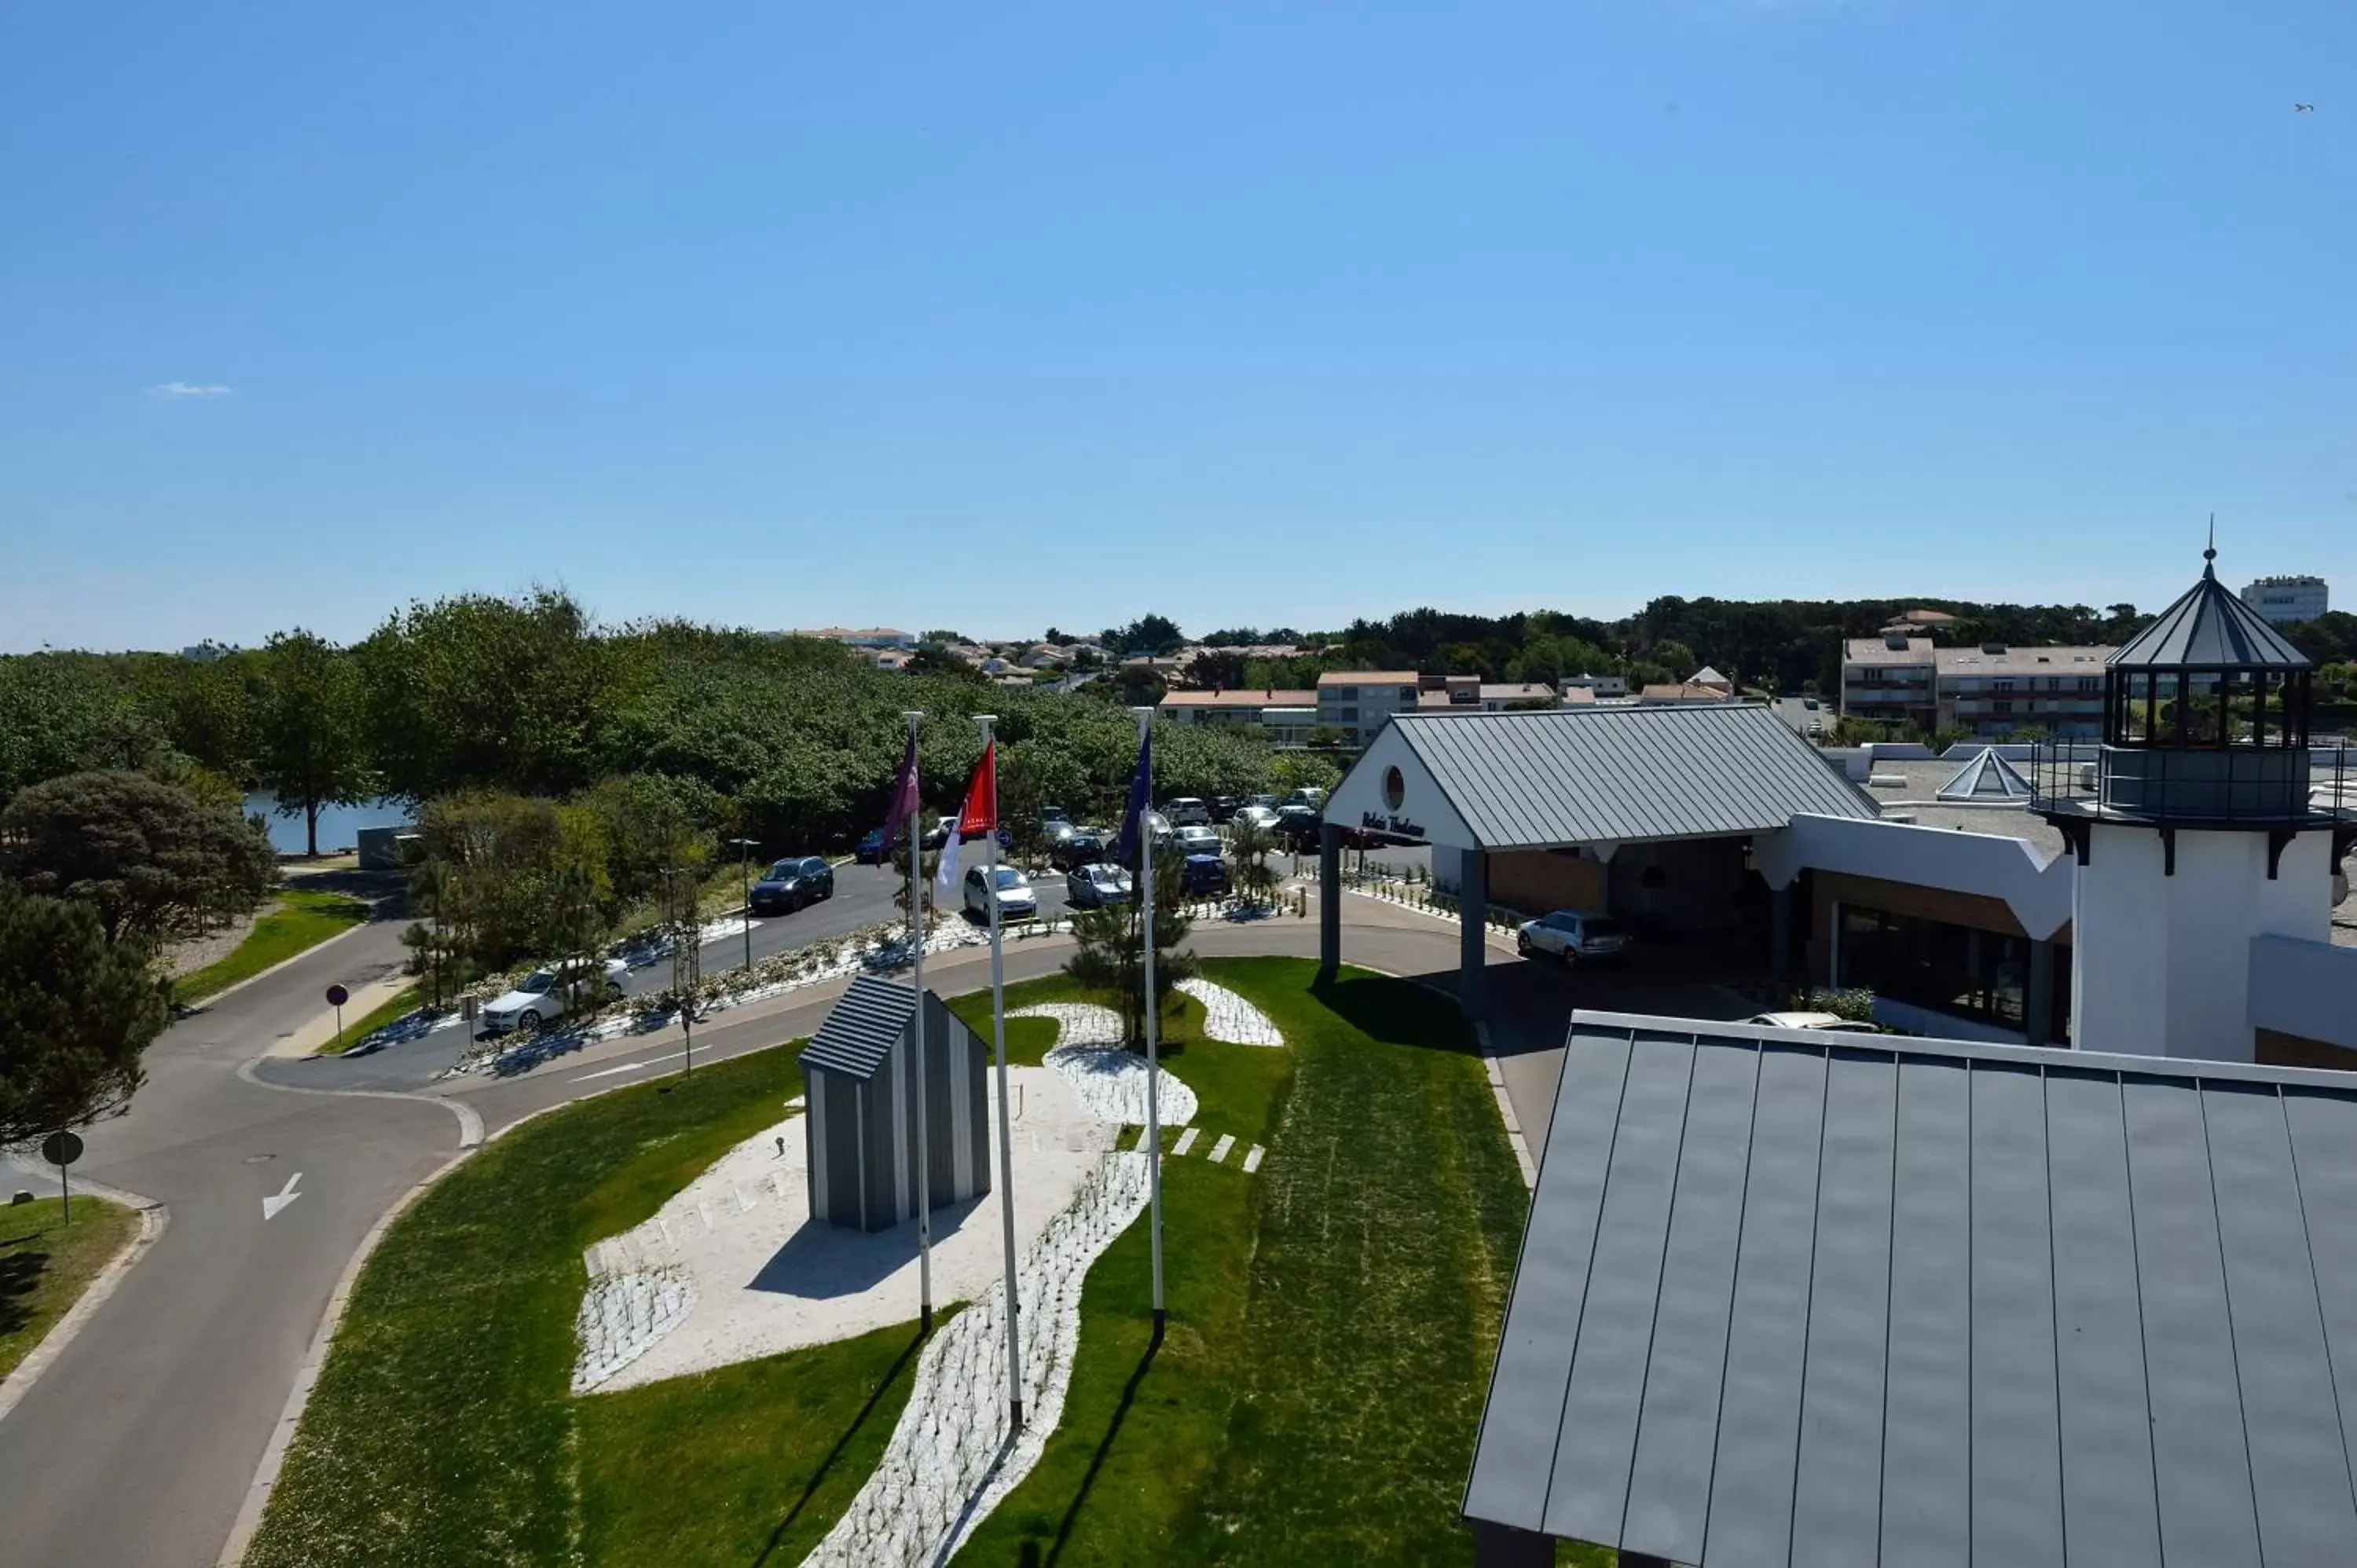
924, 1130
1153, 1068
1005, 1125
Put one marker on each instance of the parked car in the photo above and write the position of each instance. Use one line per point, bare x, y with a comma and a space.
1223, 807
1187, 810
1079, 847
1050, 815
1308, 795
1193, 840
791, 884
1017, 901
1258, 816
1054, 830
1097, 887
1573, 936
938, 835
874, 849
1203, 876
548, 995
1810, 704
1827, 1022
1297, 829
1262, 800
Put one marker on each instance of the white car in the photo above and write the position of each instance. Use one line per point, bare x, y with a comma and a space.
548, 995
1825, 1023
1017, 901
1187, 811
1572, 935
1195, 840
1261, 817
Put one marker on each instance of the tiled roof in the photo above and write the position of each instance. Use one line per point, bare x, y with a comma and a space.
1368, 678
1250, 697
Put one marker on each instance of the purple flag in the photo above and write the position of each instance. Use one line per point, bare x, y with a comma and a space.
903, 806
1141, 800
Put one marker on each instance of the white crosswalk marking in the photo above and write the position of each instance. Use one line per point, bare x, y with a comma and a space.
1220, 1150
1186, 1141
1252, 1159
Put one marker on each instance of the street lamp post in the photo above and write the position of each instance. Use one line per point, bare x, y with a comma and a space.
745, 882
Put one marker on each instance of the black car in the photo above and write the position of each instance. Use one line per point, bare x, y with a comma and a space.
792, 883
1297, 829
1223, 807
1081, 848
1203, 876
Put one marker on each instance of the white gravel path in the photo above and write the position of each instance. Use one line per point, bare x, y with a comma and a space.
1228, 1017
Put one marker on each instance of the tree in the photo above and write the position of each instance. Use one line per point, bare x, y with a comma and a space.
1110, 957
1149, 633
310, 730
147, 857
1250, 845
65, 713
76, 1011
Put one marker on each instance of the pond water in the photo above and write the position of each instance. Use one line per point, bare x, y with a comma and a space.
339, 826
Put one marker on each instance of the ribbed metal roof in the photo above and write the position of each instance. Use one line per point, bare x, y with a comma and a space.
1595, 775
862, 1028
1834, 1298
2208, 625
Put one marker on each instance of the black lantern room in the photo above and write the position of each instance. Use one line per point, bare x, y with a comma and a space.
2206, 719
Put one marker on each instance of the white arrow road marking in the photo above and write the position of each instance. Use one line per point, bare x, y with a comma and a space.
284, 1195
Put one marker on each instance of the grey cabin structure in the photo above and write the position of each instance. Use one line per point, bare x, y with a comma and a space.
861, 1127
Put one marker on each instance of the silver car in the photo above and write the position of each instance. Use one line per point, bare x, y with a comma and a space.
1575, 936
1195, 839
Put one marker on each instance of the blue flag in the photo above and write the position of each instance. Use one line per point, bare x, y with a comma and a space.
1141, 796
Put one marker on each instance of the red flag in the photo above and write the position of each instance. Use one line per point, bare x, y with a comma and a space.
981, 813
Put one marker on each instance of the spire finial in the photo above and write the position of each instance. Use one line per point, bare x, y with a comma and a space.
2211, 554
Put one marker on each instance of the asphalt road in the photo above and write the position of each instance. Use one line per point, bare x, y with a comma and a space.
139, 1444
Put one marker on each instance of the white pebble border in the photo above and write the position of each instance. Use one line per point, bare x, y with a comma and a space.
624, 1315
1110, 1081
1228, 1017
949, 1462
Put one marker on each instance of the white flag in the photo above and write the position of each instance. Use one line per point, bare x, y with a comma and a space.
946, 878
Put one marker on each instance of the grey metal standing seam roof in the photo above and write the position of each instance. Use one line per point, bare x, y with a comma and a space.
1561, 776
1790, 1297
862, 1028
2208, 625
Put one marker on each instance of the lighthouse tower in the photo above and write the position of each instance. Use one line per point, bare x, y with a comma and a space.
2194, 830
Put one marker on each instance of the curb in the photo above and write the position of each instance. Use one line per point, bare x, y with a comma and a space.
1506, 1108
273, 1455
201, 1008
470, 1120
153, 1219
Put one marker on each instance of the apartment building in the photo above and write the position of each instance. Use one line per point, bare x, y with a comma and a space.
1360, 702
1991, 690
1470, 693
1282, 717
2287, 601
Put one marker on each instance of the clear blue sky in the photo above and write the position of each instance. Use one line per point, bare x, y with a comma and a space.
999, 315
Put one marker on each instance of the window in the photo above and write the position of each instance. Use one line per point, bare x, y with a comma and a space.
2054, 683
2002, 684
1957, 970
2090, 682
2001, 706
1349, 715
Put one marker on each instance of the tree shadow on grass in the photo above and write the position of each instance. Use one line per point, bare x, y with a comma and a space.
1096, 1461
818, 1476
21, 1275
1402, 1011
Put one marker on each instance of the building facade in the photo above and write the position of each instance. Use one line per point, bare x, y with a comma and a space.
2287, 601
1360, 702
1991, 690
1284, 718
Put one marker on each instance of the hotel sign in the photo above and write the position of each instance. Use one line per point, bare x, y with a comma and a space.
1378, 822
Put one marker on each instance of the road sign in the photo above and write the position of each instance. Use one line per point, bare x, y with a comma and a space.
62, 1149
338, 996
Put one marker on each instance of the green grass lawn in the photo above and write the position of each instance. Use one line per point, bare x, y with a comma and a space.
304, 919
46, 1265
1332, 1323
443, 1429
1332, 1320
